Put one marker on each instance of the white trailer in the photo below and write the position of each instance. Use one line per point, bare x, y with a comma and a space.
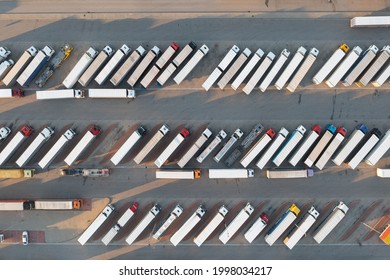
333, 219
289, 173
128, 145
306, 145
290, 144
188, 225
366, 148
264, 65
175, 143
70, 204
257, 148
151, 144
282, 135
375, 67
211, 226
176, 212
96, 224
300, 230
178, 174
156, 209
291, 67
10, 93
218, 139
237, 222
229, 144
379, 150
206, 134
183, 73
59, 94
332, 147
111, 93
256, 228
383, 173
321, 145
143, 65
383, 76
5, 66
370, 21
231, 173
274, 70
14, 144
247, 69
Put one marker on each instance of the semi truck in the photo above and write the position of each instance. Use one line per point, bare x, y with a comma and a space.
128, 145
160, 63
80, 67
256, 227
96, 224
188, 225
237, 222
300, 230
383, 172
222, 66
127, 66
289, 173
211, 226
282, 135
379, 150
375, 67
16, 173
306, 145
290, 144
231, 173
178, 174
94, 66
59, 94
35, 66
302, 71
332, 147
176, 213
177, 61
258, 147
291, 67
151, 144
123, 220
47, 204
331, 221
171, 147
5, 66
370, 21
35, 145
4, 53
111, 93
11, 93
274, 70
330, 129
15, 142
206, 134
218, 139
91, 134
143, 65
86, 172
282, 224
330, 64
229, 144
194, 60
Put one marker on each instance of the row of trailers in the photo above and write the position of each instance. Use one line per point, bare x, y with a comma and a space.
230, 229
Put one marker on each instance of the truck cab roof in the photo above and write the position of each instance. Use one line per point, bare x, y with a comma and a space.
27, 130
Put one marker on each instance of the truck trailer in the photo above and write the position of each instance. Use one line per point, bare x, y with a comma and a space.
111, 93
382, 77
206, 134
176, 213
175, 143
15, 142
383, 172
258, 147
229, 144
291, 67
290, 144
282, 135
16, 173
306, 145
379, 150
289, 173
370, 21
274, 70
59, 94
247, 69
143, 65
218, 139
256, 228
332, 147
330, 129
11, 93
178, 174
375, 67
231, 173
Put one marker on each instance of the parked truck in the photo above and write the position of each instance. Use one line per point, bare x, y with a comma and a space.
15, 142
128, 145
86, 172
111, 93
282, 135
59, 94
16, 173
330, 129
290, 144
218, 139
256, 227
229, 144
379, 150
231, 173
91, 134
171, 147
5, 66
176, 213
206, 134
61, 204
80, 67
291, 67
143, 65
4, 53
332, 147
274, 70
306, 145
289, 173
383, 172
11, 93
178, 174
10, 79
375, 67
370, 21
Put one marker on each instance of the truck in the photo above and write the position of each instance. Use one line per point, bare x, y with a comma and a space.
5, 66
379, 150
330, 64
86, 172
259, 73
233, 70
300, 230
94, 66
171, 147
247, 69
59, 94
206, 134
123, 220
211, 226
274, 70
302, 71
383, 172
218, 139
91, 134
258, 147
363, 61
248, 140
80, 67
4, 132
160, 63
15, 142
56, 148
344, 66
291, 67
55, 63
176, 62
35, 66
188, 225
111, 93
10, 93
332, 147
375, 67
195, 59
149, 217
4, 53
370, 21
289, 173
290, 144
35, 145
178, 174
373, 139
282, 135
96, 224
176, 213
256, 227
231, 173
151, 144
222, 66
16, 173
229, 144
127, 66
237, 222
58, 204
330, 129
331, 221
306, 145
282, 224
143, 65
111, 65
